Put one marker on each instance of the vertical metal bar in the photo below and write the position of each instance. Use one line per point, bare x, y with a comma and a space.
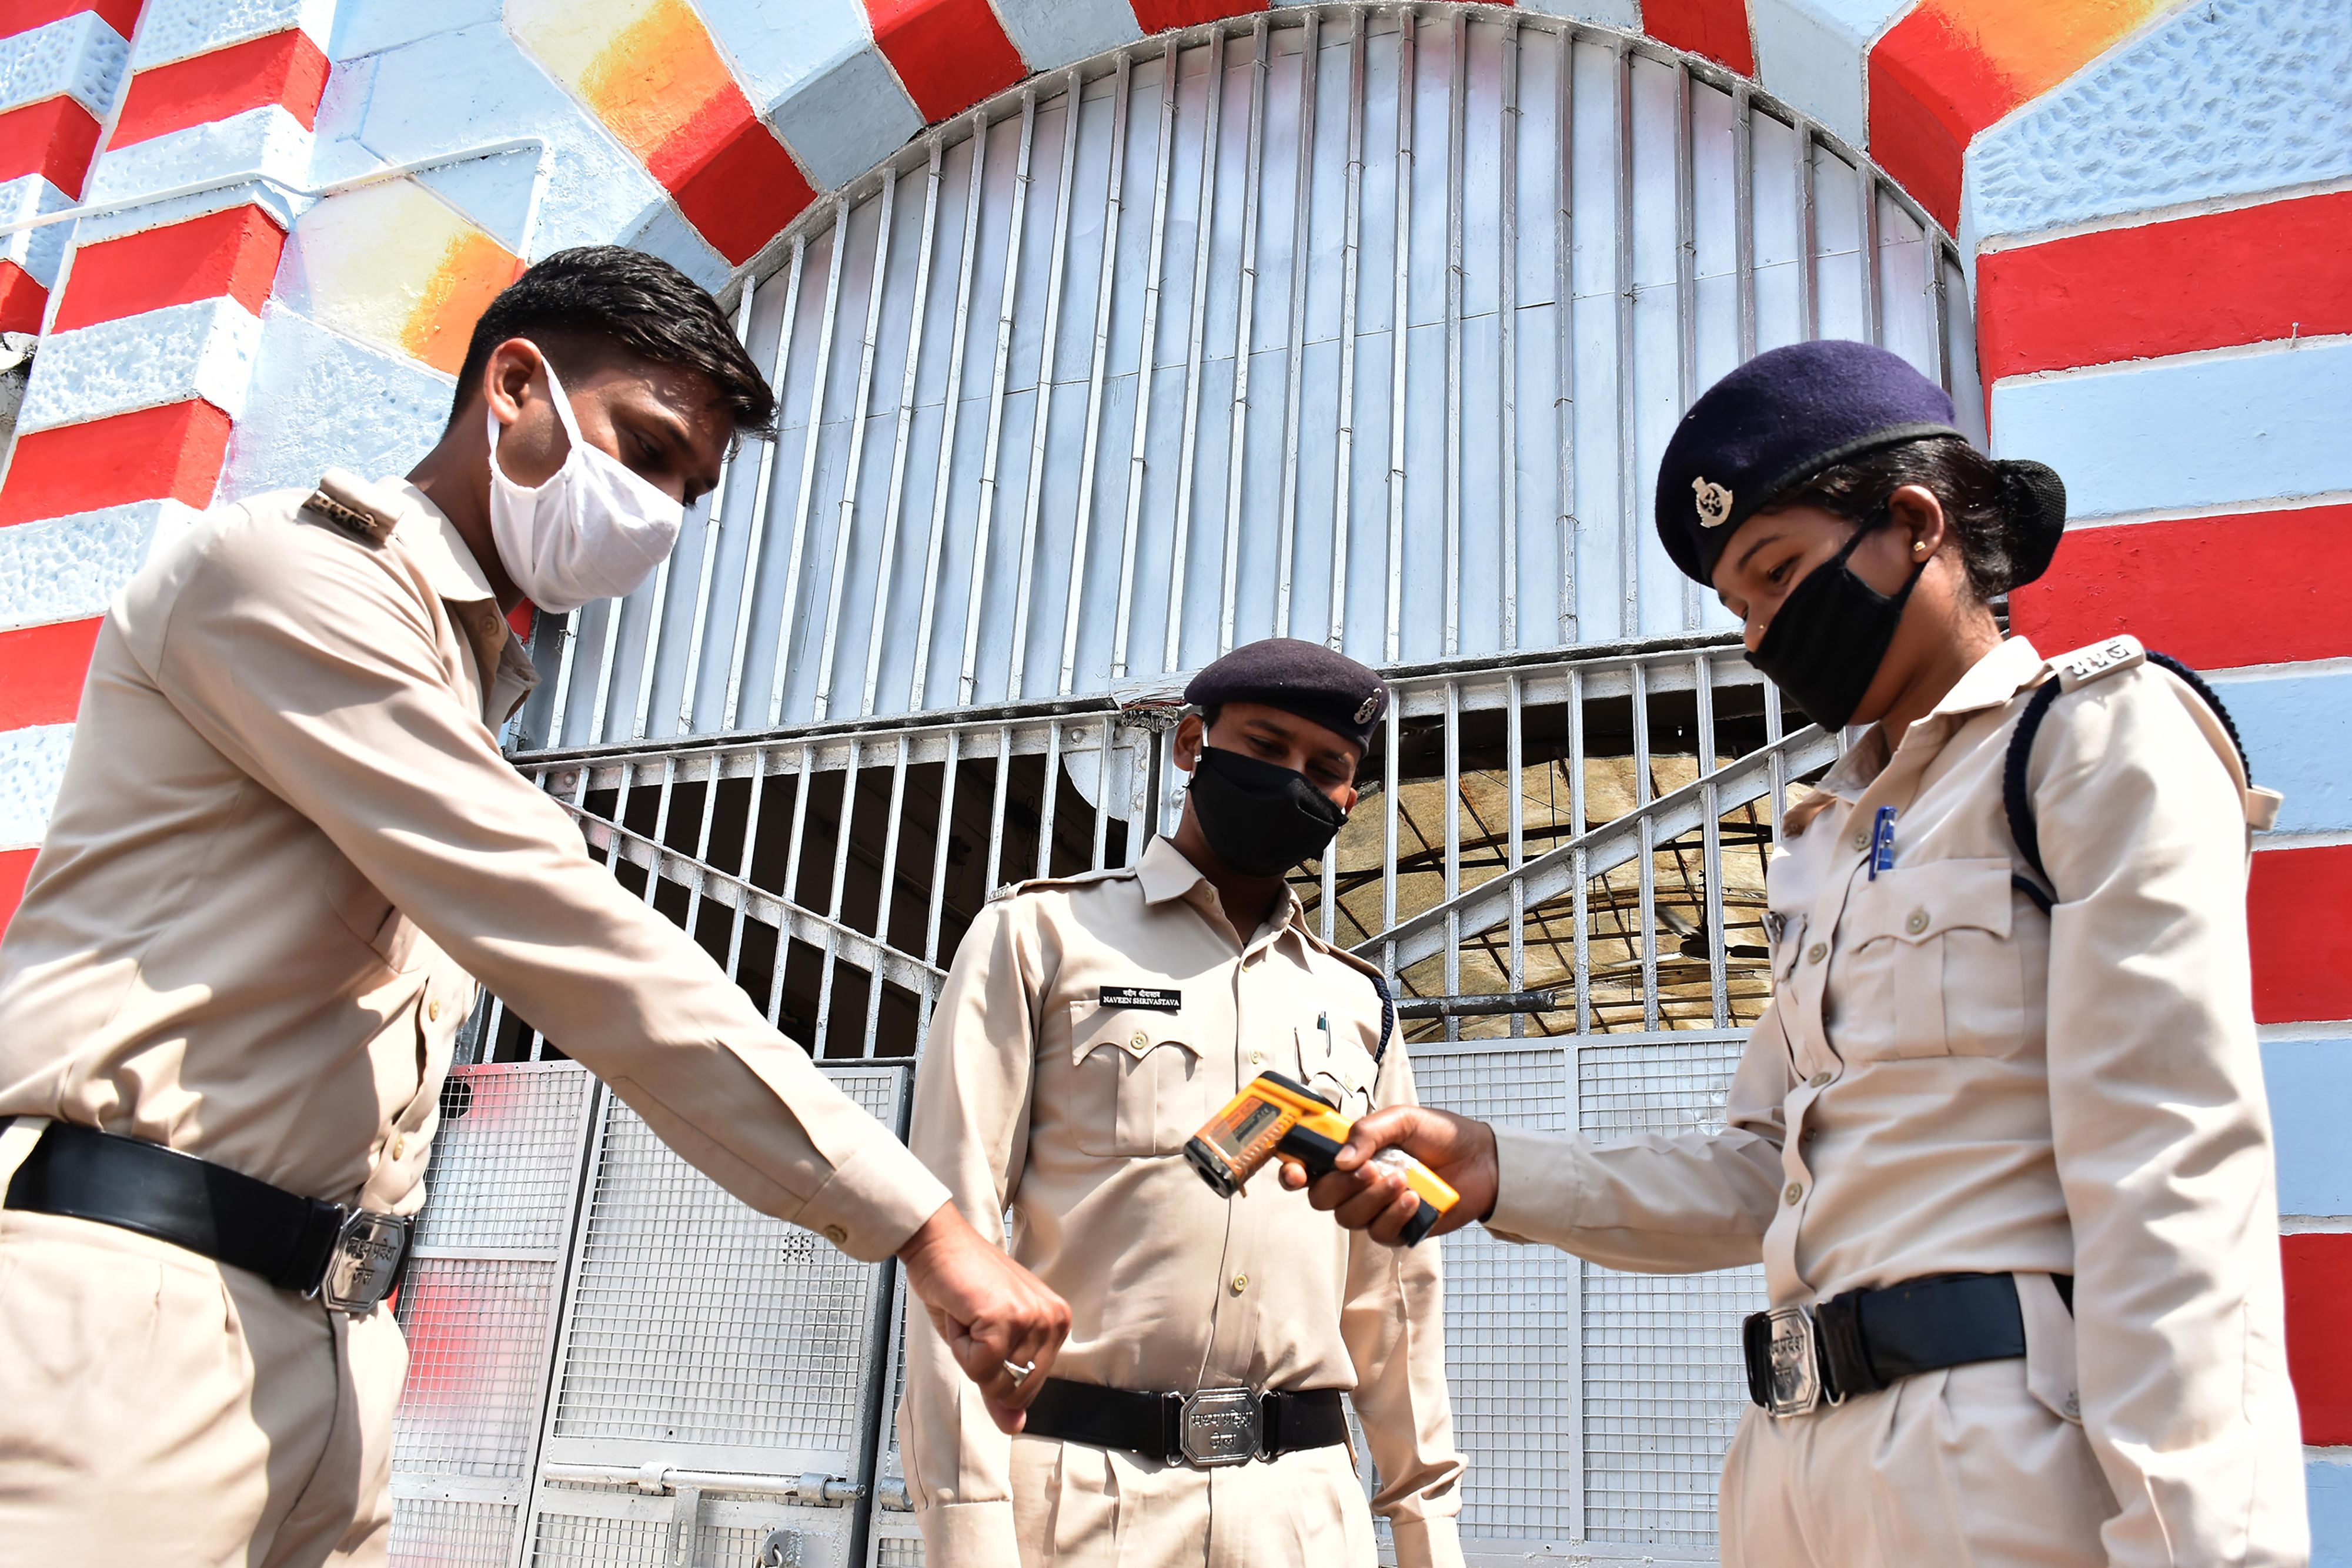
1808, 303
1583, 878
840, 885
1188, 440
1287, 531
566, 627
882, 904
1238, 435
1164, 158
1031, 518
1098, 361
1515, 763
1563, 288
996, 814
1453, 845
1388, 821
948, 766
1045, 807
1711, 838
1102, 793
1456, 110
792, 889
1939, 307
1873, 311
1506, 367
1643, 794
656, 613
1330, 901
899, 443
917, 680
788, 612
661, 827
1628, 532
1350, 261
714, 530
1779, 764
1399, 319
743, 869
738, 652
1685, 282
966, 681
1743, 210
702, 839
599, 711
846, 514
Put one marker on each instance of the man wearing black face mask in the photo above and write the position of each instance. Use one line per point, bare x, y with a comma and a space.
1090, 1025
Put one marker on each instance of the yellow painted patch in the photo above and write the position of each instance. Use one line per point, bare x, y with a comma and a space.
394, 265
646, 68
2030, 45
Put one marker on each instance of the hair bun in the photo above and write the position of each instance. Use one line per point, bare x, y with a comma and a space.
2035, 499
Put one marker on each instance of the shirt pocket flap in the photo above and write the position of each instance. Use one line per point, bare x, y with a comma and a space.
1136, 1031
1912, 904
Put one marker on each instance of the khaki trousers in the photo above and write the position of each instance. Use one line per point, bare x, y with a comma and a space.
157, 1409
1963, 1466
1080, 1507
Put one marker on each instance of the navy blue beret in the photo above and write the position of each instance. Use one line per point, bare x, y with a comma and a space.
1776, 421
1305, 678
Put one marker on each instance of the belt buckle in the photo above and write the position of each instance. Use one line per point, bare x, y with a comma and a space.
1794, 1369
365, 1262
1219, 1426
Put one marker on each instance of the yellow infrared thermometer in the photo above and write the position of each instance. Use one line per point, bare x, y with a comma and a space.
1280, 1118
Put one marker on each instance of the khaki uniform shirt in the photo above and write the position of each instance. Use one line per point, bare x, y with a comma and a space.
286, 848
1043, 1089
1948, 1081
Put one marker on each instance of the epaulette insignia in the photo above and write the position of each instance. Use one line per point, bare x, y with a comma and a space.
2087, 664
337, 500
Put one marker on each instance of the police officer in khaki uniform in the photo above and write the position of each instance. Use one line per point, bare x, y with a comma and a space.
285, 850
1089, 1026
2000, 1140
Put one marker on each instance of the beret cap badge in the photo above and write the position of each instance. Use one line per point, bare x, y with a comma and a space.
1370, 710
1714, 503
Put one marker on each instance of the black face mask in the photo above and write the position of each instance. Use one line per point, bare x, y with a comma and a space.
1260, 818
1831, 634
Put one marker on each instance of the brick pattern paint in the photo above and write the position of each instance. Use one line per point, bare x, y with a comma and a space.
2154, 194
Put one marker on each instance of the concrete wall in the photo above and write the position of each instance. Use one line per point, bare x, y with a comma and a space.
2154, 197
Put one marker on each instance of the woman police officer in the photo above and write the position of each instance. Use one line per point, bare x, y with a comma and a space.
2000, 1139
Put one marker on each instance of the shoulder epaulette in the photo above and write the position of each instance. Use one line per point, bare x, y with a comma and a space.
344, 500
1078, 879
2097, 661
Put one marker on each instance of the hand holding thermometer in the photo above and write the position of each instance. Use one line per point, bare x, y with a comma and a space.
1280, 1118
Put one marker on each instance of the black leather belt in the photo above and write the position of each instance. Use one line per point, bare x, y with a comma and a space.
350, 1258
1864, 1341
1215, 1427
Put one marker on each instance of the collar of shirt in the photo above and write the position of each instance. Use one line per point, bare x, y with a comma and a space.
1991, 682
433, 543
1166, 874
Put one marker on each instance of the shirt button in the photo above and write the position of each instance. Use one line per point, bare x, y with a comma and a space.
1256, 1056
836, 1234
1139, 1040
1794, 1192
1861, 839
1818, 1081
1241, 1283
1817, 952
1916, 923
432, 1011
399, 1146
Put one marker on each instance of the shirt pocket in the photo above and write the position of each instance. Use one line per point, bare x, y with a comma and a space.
1139, 1089
369, 916
1932, 964
1338, 1068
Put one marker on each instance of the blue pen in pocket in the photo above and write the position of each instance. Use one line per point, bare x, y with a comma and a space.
1882, 843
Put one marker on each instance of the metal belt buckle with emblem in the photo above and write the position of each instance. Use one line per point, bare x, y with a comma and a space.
366, 1260
1219, 1426
1794, 1374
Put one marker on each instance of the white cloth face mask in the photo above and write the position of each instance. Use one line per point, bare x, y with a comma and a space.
591, 531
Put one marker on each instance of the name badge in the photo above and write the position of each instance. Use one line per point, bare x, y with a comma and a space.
1142, 997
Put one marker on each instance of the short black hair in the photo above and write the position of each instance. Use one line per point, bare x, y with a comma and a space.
638, 302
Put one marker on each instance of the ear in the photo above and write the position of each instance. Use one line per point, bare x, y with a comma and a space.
1920, 516
1191, 735
508, 377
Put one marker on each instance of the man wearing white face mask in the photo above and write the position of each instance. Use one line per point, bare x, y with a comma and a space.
285, 850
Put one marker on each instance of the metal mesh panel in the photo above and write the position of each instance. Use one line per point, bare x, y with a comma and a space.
451, 1534
505, 1167
899, 1552
1510, 1315
567, 1540
697, 1319
1663, 1383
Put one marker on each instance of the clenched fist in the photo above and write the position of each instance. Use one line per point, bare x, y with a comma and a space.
989, 1310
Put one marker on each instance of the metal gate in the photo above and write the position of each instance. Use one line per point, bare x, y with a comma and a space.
1364, 324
